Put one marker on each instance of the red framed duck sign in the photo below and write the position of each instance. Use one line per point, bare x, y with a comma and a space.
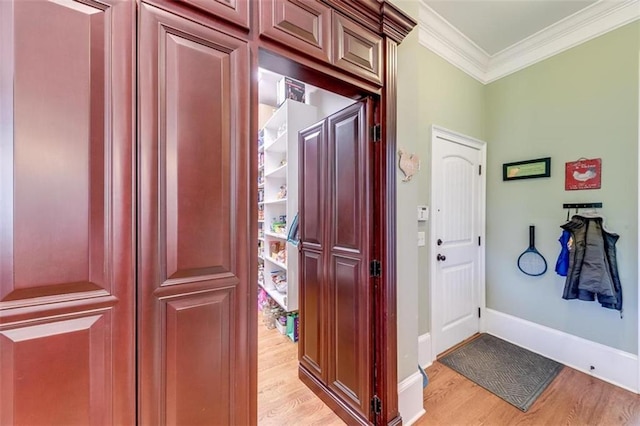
583, 174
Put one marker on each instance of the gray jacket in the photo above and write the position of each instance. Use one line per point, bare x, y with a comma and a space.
593, 271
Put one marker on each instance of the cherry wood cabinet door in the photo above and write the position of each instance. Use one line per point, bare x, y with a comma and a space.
336, 342
66, 213
194, 216
236, 11
356, 49
312, 345
304, 25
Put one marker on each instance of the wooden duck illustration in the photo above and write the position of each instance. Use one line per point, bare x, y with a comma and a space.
409, 165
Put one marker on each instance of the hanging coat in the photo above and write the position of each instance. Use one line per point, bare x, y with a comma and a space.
593, 270
562, 264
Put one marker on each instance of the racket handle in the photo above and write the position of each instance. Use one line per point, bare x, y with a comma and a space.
532, 236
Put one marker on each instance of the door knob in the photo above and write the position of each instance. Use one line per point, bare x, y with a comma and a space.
439, 242
441, 257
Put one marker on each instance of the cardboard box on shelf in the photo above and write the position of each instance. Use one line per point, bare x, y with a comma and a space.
289, 88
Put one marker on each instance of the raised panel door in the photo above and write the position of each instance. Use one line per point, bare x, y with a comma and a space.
236, 11
304, 25
193, 223
356, 49
66, 237
336, 315
313, 290
349, 310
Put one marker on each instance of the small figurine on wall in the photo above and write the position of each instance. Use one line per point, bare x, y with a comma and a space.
409, 165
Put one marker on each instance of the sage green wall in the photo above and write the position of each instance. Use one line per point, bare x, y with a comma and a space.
430, 91
452, 99
409, 134
580, 103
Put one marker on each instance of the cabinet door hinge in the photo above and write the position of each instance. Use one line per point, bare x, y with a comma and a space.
375, 269
376, 133
376, 405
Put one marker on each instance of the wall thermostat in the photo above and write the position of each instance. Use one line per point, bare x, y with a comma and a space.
423, 213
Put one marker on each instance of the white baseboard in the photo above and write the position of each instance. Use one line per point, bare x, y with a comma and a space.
611, 365
410, 402
424, 350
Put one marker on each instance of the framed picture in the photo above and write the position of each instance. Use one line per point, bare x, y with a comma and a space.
583, 174
529, 169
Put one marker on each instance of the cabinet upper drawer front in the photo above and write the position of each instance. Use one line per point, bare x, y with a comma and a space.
304, 25
356, 49
236, 11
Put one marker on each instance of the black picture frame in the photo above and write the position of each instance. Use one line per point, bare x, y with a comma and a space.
528, 169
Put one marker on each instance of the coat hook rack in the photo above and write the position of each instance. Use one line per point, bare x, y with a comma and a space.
577, 206
582, 206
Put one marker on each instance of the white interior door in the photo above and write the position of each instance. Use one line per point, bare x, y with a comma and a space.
457, 255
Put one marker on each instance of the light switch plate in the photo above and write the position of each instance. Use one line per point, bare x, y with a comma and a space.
421, 239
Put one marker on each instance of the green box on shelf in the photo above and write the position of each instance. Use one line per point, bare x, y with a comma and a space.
292, 326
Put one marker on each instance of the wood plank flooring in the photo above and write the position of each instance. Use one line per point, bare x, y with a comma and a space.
573, 398
282, 398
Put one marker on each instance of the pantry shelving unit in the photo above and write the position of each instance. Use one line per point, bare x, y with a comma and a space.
278, 199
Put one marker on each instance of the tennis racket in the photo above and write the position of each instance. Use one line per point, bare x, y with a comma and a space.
531, 262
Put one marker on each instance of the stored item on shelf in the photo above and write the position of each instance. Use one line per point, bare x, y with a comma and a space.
292, 326
282, 193
288, 88
279, 224
281, 324
260, 138
260, 177
279, 280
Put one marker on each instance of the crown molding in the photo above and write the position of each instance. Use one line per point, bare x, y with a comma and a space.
445, 40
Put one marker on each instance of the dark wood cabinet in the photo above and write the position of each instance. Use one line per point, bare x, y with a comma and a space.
304, 25
67, 311
356, 49
312, 28
127, 237
234, 11
336, 240
193, 281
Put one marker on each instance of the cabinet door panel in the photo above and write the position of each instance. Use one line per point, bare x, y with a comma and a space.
193, 226
336, 315
350, 289
356, 49
236, 11
66, 238
304, 25
312, 172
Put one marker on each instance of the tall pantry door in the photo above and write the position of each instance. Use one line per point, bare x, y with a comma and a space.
336, 291
194, 217
66, 213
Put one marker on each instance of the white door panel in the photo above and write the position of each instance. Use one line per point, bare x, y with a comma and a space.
458, 203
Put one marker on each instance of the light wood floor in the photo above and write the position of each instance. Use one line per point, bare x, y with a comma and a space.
573, 398
282, 398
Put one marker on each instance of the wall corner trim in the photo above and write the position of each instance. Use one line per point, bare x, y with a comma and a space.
410, 401
424, 350
439, 36
611, 365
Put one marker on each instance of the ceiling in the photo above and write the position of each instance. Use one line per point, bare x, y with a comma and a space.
495, 25
490, 39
